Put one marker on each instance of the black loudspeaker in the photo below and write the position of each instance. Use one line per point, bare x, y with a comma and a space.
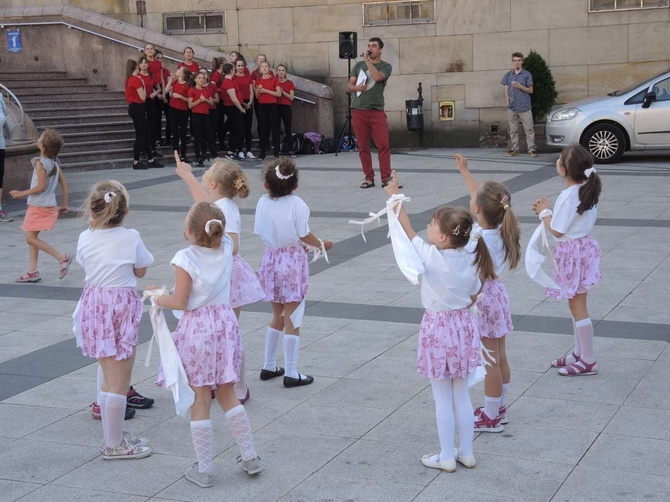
348, 42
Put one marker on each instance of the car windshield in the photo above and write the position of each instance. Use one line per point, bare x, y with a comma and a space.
630, 88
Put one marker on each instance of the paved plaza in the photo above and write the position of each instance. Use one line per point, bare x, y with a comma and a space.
359, 431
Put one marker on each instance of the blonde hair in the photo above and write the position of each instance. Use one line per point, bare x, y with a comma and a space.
495, 203
51, 144
106, 205
456, 223
231, 180
196, 221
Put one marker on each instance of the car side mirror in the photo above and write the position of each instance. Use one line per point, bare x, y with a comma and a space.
649, 98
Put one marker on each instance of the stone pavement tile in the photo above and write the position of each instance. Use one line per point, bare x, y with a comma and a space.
287, 459
498, 478
397, 330
640, 422
630, 454
606, 485
61, 392
388, 369
360, 294
414, 427
52, 324
39, 462
14, 490
18, 420
411, 300
529, 340
146, 476
328, 420
27, 306
563, 446
317, 364
265, 410
577, 415
322, 486
274, 389
382, 395
341, 344
628, 348
612, 385
537, 360
12, 321
652, 392
66, 493
665, 355
22, 342
638, 311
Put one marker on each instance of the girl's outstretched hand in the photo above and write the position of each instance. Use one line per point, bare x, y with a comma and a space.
392, 186
540, 204
183, 169
461, 162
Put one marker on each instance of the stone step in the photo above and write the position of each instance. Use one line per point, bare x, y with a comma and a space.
56, 120
103, 135
99, 144
24, 75
102, 126
89, 91
112, 106
45, 102
95, 154
54, 82
95, 164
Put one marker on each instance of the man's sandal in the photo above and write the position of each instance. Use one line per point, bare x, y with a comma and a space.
562, 362
367, 184
580, 368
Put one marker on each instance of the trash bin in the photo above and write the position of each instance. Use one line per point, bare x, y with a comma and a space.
414, 109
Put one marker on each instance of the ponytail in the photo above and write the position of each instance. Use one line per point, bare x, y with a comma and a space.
484, 262
577, 162
511, 238
589, 193
495, 204
106, 204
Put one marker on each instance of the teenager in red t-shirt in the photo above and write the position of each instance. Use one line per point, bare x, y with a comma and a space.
231, 96
135, 97
198, 99
244, 81
178, 87
153, 90
188, 62
267, 91
154, 104
260, 59
164, 104
213, 90
284, 105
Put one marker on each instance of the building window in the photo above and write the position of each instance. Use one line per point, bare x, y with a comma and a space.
194, 22
391, 13
609, 5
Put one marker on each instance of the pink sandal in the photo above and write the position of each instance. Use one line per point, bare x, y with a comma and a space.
562, 363
579, 368
64, 266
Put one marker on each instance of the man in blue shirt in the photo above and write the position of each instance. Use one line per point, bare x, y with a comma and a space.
518, 88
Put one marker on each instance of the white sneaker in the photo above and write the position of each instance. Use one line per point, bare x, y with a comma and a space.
240, 155
125, 451
251, 156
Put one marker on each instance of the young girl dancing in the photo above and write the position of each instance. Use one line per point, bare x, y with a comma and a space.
221, 183
207, 337
577, 253
448, 337
281, 222
42, 211
109, 311
491, 204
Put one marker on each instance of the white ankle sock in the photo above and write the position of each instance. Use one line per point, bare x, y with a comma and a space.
271, 347
98, 380
584, 328
491, 406
203, 443
444, 416
238, 423
241, 384
504, 393
464, 414
291, 348
115, 411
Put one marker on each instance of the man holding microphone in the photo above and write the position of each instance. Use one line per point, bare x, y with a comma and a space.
368, 117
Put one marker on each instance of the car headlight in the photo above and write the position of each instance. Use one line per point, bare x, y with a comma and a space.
565, 114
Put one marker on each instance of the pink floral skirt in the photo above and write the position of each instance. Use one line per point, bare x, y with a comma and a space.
245, 288
448, 344
494, 319
578, 262
109, 319
208, 342
284, 274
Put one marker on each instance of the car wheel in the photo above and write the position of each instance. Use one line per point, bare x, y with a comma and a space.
606, 143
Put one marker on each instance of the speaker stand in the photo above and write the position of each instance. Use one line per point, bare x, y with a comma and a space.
347, 122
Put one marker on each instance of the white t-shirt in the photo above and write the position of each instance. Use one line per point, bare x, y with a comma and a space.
495, 245
565, 218
281, 222
109, 255
450, 278
210, 272
47, 198
232, 214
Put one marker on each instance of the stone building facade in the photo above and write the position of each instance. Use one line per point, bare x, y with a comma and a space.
458, 49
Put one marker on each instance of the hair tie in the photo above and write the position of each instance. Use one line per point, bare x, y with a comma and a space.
238, 183
109, 196
280, 175
208, 225
476, 234
505, 201
589, 171
457, 230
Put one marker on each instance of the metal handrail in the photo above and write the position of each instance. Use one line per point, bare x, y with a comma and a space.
111, 39
23, 113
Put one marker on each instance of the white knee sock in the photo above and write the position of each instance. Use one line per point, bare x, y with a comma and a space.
578, 345
584, 330
102, 402
99, 379
201, 433
444, 416
241, 384
115, 410
464, 413
271, 347
504, 393
491, 406
291, 348
238, 423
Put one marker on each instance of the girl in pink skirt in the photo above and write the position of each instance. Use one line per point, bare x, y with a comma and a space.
491, 204
207, 337
281, 222
109, 311
577, 253
449, 337
220, 184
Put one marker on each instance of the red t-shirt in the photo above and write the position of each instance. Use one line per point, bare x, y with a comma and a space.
166, 75
226, 84
270, 84
193, 67
213, 90
149, 82
243, 82
182, 90
216, 77
132, 85
194, 93
156, 69
286, 86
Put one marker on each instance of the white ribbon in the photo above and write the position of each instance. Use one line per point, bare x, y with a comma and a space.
280, 175
319, 252
209, 224
589, 171
109, 196
377, 216
537, 251
152, 294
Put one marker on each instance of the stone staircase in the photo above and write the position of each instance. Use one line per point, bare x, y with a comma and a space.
93, 121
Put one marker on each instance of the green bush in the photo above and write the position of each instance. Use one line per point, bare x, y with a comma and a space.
544, 87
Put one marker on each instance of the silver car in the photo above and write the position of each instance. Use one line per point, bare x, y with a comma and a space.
635, 118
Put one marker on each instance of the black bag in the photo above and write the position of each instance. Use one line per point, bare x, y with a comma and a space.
297, 140
307, 147
329, 145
